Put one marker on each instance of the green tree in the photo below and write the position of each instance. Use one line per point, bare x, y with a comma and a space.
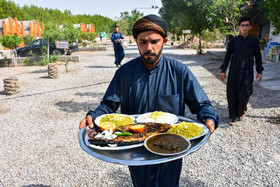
11, 42
273, 7
9, 9
257, 12
68, 33
92, 36
127, 20
28, 39
53, 17
195, 15
51, 35
71, 34
228, 13
173, 13
203, 15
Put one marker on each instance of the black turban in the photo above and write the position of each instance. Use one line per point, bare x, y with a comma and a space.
150, 23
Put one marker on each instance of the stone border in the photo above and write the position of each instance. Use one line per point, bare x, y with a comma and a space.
32, 59
92, 48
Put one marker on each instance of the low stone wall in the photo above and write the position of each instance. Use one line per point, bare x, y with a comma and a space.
75, 58
6, 53
20, 61
6, 57
99, 48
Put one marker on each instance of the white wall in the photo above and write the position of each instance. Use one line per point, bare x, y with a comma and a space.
273, 37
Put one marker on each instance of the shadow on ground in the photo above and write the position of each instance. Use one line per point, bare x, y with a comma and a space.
73, 107
100, 67
37, 185
192, 182
40, 71
58, 90
269, 119
2, 93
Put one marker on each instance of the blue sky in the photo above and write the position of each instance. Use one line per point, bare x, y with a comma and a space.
108, 8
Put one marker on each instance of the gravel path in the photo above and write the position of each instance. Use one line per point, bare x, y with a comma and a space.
39, 127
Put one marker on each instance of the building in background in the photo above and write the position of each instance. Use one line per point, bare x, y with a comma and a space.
11, 26
85, 27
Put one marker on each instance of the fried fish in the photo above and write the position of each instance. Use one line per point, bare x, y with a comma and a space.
149, 130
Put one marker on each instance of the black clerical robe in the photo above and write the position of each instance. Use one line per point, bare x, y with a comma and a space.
241, 53
168, 87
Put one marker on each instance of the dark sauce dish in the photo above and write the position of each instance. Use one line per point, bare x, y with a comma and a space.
167, 144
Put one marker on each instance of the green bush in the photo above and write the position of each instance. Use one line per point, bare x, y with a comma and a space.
212, 36
26, 61
6, 61
28, 39
11, 42
89, 36
53, 58
44, 61
40, 61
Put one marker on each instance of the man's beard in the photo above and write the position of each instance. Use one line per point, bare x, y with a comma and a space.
151, 60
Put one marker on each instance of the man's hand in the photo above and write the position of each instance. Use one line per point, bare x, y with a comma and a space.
259, 77
210, 124
86, 121
223, 76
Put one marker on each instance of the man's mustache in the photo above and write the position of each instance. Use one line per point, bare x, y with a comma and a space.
149, 53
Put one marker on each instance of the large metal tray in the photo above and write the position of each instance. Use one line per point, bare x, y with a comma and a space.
138, 156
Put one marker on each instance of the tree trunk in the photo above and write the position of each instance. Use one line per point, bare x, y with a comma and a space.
199, 47
15, 54
48, 51
66, 61
233, 27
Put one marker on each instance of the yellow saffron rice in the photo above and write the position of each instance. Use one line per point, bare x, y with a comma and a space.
157, 114
117, 119
186, 129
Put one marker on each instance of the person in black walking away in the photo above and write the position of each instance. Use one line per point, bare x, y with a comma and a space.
117, 38
241, 52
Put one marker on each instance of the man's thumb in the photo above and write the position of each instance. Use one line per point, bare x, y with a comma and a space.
89, 120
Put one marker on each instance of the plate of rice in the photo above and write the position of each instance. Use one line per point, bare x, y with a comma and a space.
117, 119
157, 117
189, 130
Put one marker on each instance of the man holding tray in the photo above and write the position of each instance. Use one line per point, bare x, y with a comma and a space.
154, 82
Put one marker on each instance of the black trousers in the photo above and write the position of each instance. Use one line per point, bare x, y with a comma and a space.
158, 175
119, 54
237, 103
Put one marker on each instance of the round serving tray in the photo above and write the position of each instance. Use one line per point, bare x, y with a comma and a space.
138, 156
